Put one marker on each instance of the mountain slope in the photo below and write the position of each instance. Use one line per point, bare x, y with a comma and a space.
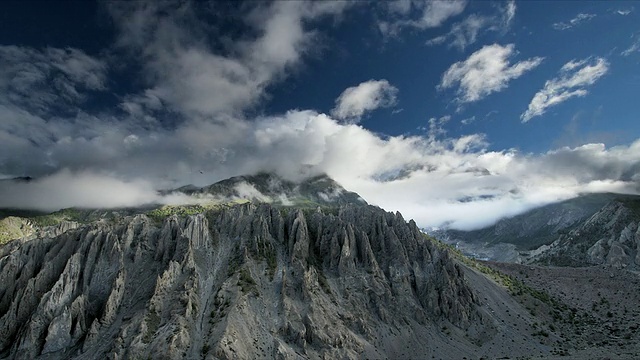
610, 236
514, 239
538, 226
252, 281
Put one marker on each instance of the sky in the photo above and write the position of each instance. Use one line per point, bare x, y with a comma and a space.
455, 113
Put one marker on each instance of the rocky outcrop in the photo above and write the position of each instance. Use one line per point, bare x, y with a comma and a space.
248, 281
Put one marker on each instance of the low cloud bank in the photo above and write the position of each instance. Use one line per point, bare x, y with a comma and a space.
437, 181
67, 189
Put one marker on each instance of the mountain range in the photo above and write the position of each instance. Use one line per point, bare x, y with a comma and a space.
278, 269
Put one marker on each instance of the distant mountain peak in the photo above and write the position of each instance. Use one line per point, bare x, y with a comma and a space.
264, 187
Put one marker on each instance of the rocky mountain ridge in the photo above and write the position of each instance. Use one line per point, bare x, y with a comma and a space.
611, 236
524, 237
249, 281
321, 277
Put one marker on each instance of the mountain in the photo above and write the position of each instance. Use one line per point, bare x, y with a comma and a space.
509, 237
260, 280
257, 281
610, 236
319, 190
247, 281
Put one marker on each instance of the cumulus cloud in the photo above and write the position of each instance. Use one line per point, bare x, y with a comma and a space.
486, 71
505, 183
352, 104
579, 19
420, 14
574, 77
196, 74
428, 178
122, 158
465, 32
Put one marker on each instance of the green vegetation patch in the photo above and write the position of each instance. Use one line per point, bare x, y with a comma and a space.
12, 228
246, 282
153, 323
163, 212
83, 216
324, 283
272, 261
59, 216
513, 285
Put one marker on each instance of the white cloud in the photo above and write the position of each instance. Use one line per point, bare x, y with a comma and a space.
486, 71
579, 19
248, 191
428, 178
624, 12
573, 78
634, 47
465, 32
462, 33
51, 78
67, 189
508, 13
402, 7
107, 160
436, 127
468, 121
430, 14
352, 104
435, 13
200, 76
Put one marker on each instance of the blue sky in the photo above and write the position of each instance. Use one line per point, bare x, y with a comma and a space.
456, 113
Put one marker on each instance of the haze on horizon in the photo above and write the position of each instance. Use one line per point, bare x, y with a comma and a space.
454, 113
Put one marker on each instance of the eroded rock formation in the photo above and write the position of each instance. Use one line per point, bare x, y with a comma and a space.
248, 281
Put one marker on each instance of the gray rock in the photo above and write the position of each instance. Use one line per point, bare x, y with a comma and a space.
248, 281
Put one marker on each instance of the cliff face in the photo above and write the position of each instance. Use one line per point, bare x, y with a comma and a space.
249, 281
